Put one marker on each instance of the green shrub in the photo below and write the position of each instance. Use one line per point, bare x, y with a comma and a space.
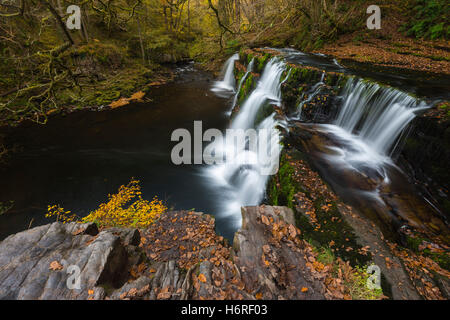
430, 19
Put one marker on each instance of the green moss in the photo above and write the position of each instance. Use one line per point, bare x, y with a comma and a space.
106, 54
333, 228
359, 290
282, 189
326, 256
249, 58
246, 87
441, 258
261, 62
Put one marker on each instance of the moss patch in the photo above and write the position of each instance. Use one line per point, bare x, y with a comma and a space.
315, 207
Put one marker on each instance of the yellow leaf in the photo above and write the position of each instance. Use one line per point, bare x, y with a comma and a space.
137, 96
119, 103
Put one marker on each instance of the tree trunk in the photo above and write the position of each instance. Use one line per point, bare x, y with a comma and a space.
140, 38
58, 18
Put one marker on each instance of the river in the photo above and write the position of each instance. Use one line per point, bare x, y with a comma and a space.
78, 159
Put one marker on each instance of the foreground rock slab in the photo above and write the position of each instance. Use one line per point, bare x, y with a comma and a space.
44, 262
179, 257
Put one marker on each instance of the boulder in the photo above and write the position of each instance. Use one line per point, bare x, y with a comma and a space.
65, 261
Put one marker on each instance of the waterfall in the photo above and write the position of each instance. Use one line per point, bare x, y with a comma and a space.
241, 82
226, 87
370, 121
376, 115
241, 179
267, 90
312, 93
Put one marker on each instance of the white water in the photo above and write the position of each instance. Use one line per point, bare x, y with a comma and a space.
241, 82
369, 123
267, 90
315, 90
226, 87
379, 114
241, 179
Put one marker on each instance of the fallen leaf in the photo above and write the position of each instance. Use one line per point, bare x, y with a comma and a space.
137, 96
119, 103
164, 294
55, 265
77, 232
202, 278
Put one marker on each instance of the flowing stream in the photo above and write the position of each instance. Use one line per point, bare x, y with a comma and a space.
361, 142
78, 159
226, 86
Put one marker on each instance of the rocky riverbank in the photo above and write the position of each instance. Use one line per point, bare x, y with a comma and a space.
181, 257
178, 257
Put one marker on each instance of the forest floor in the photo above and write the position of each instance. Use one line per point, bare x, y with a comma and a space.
389, 47
402, 53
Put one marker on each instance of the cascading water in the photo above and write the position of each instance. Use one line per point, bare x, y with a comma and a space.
361, 140
267, 90
354, 153
226, 87
369, 123
378, 114
241, 179
241, 82
313, 92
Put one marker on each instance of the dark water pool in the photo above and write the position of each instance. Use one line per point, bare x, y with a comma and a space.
78, 159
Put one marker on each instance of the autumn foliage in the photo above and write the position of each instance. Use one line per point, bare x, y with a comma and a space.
127, 208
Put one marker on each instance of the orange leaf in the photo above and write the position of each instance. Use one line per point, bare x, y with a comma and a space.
119, 103
304, 289
202, 278
265, 220
137, 96
55, 265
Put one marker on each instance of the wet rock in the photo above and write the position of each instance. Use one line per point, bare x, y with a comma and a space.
370, 236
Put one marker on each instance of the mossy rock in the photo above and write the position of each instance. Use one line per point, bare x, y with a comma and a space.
281, 191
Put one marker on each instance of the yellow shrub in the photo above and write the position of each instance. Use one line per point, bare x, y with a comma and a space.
60, 214
124, 209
